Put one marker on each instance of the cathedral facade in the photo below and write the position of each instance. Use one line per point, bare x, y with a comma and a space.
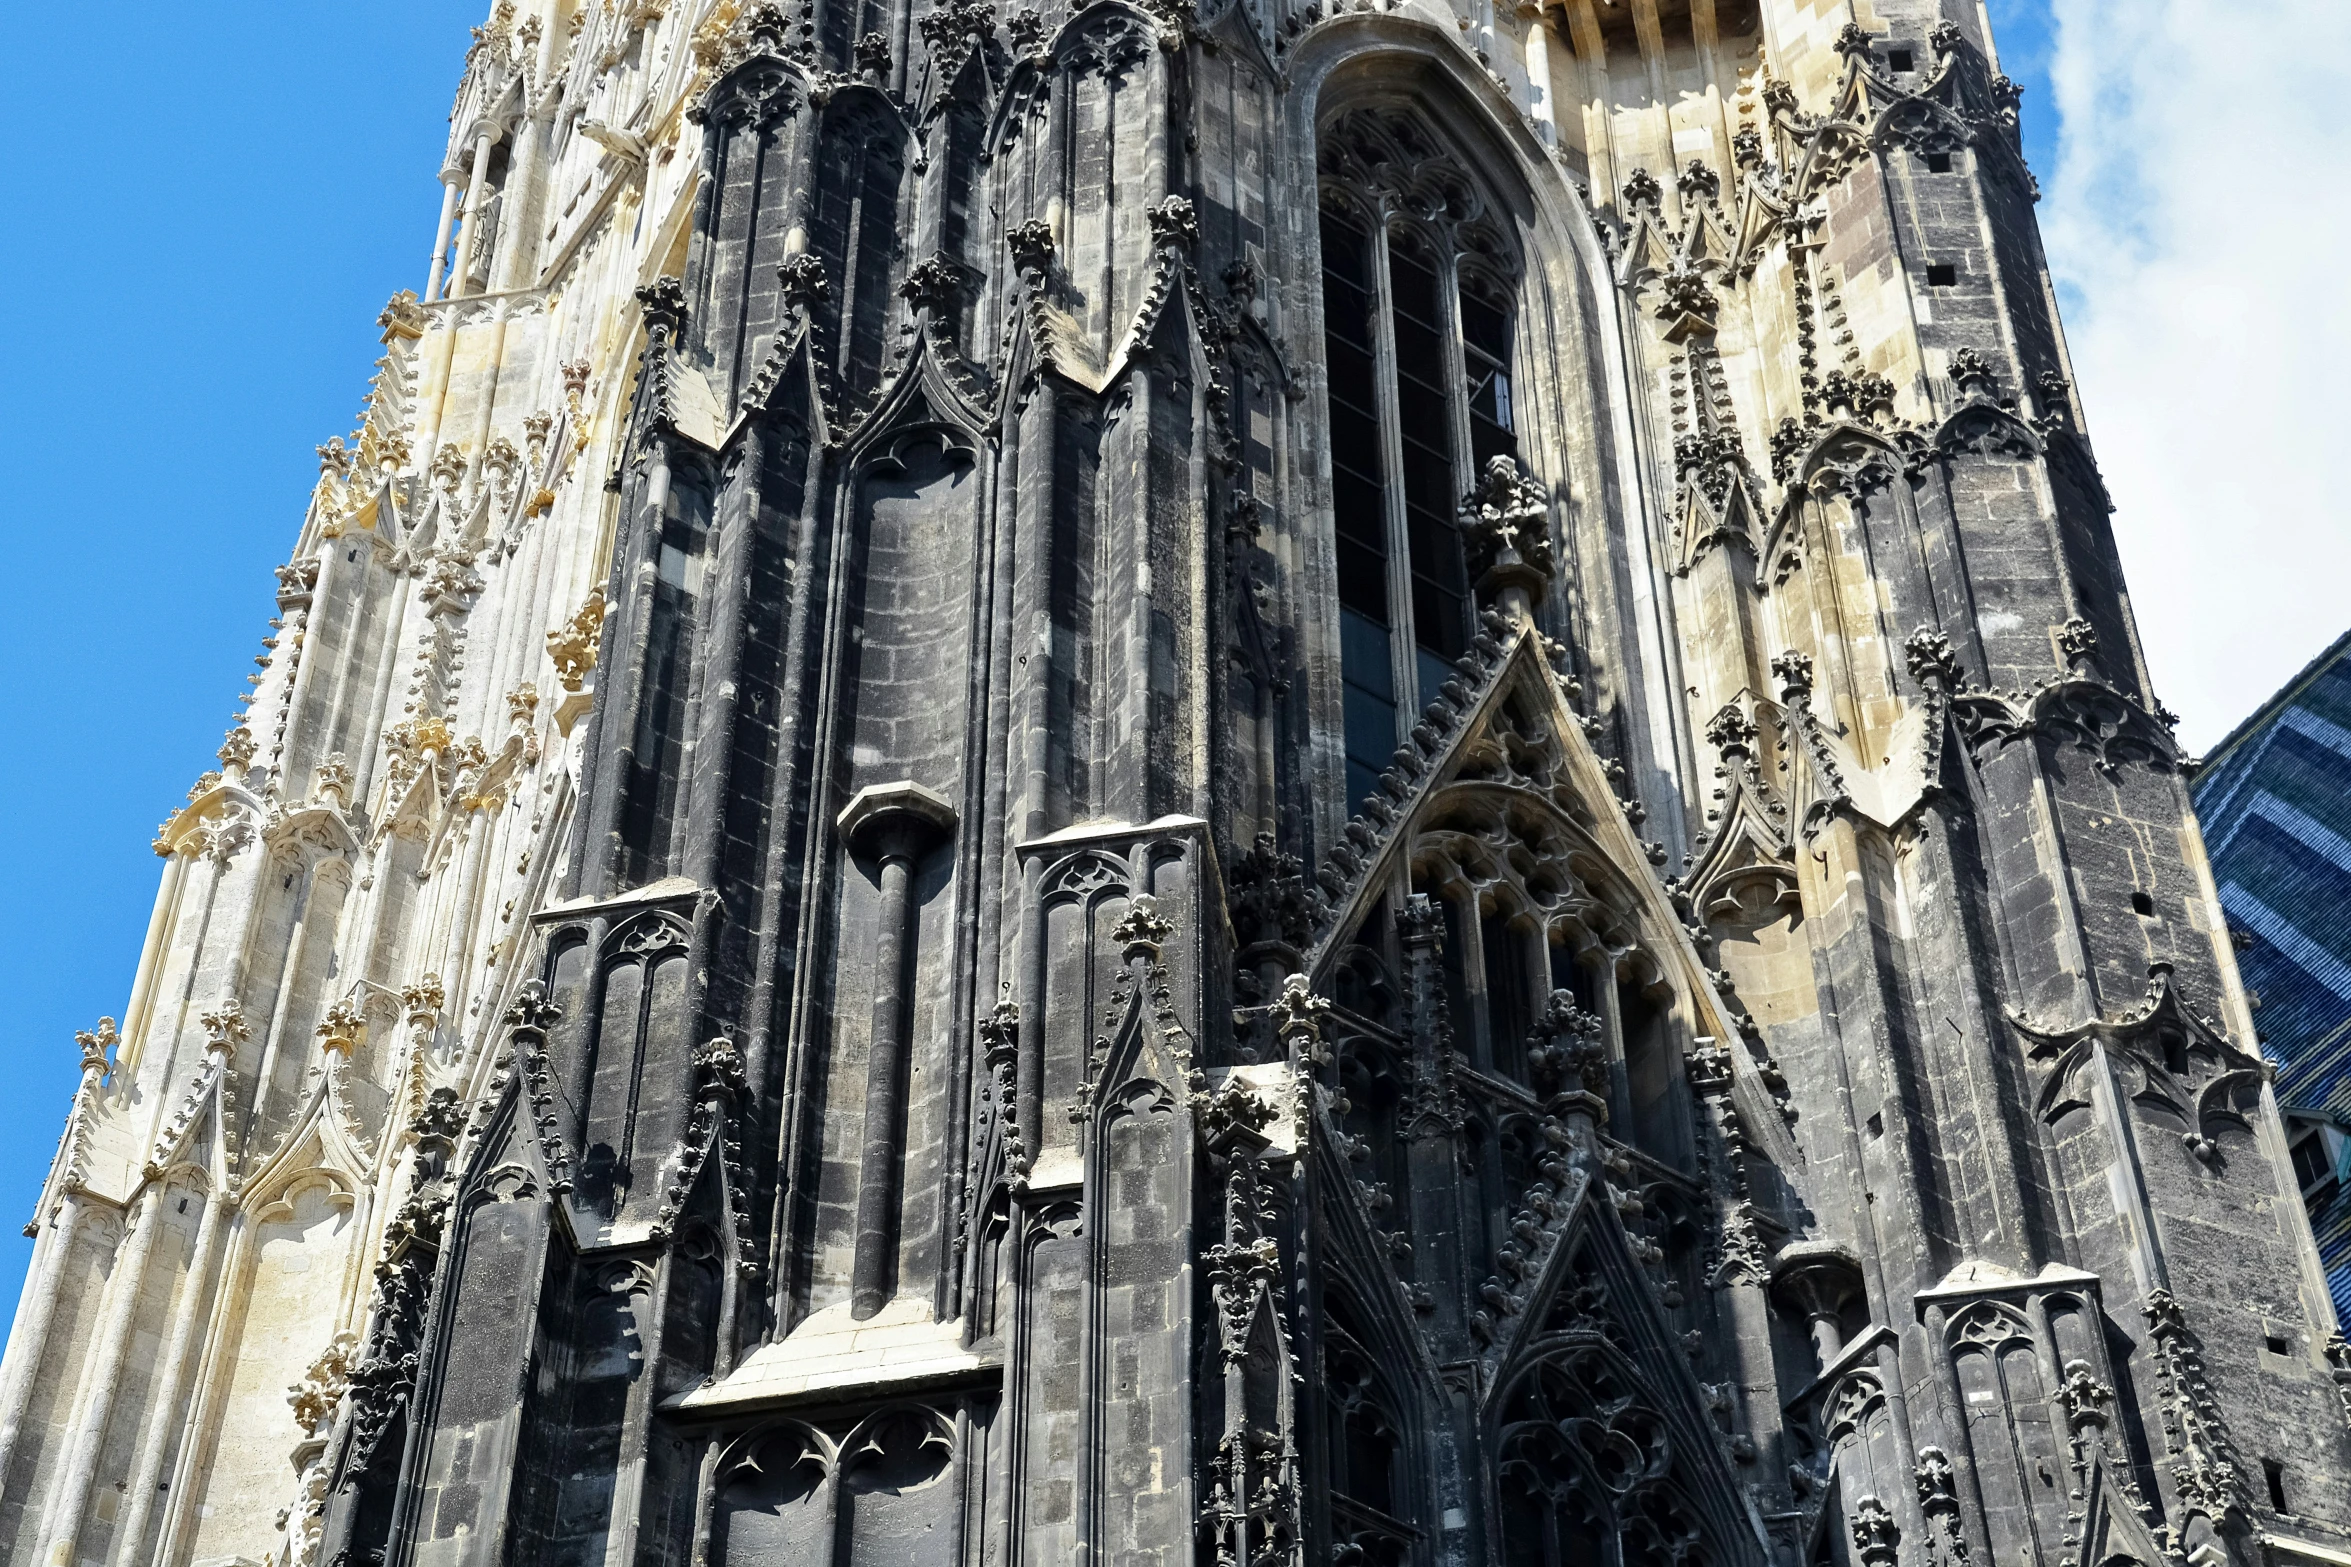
1253, 784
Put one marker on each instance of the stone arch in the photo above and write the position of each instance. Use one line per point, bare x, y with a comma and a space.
1371, 1443
774, 1498
854, 222
283, 1285
1591, 1465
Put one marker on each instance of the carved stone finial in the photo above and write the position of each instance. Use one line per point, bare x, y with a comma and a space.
322, 1387
1974, 376
1141, 932
236, 751
224, 1025
1747, 148
572, 645
403, 318
1793, 670
2077, 639
339, 1029
873, 55
1507, 521
2086, 1399
1297, 1020
331, 783
440, 1118
1731, 732
1032, 249
1641, 190
423, 1000
765, 26
1931, 662
297, 580
1174, 223
1564, 1051
718, 1068
1268, 898
532, 1012
95, 1044
447, 467
1687, 304
1876, 1537
1026, 28
1421, 924
1852, 39
1698, 182
664, 302
804, 283
935, 284
1000, 1033
1232, 1119
1855, 395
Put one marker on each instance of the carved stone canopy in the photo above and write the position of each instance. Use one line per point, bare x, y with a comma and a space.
901, 818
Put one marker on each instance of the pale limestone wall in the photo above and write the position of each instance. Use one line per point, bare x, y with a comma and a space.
468, 519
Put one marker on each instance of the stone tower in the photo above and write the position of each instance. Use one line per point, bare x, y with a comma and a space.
1252, 786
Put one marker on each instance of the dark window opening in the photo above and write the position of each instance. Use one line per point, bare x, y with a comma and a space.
1485, 353
1364, 1441
1573, 977
2142, 905
1649, 1076
1508, 1013
2275, 1343
1440, 629
2275, 1473
1359, 506
1898, 61
2175, 1053
1938, 163
1418, 325
2311, 1166
1941, 274
1877, 1126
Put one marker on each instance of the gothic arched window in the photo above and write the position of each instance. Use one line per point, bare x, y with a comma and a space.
1365, 1464
1418, 287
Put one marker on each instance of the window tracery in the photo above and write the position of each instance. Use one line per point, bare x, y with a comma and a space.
1419, 287
1369, 1483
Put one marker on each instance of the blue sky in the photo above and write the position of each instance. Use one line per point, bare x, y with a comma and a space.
208, 206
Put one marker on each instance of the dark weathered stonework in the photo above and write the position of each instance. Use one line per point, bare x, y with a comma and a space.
1492, 883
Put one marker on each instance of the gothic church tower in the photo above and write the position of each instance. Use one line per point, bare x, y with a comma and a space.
1251, 784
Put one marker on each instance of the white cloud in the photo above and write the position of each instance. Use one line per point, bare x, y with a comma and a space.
2199, 223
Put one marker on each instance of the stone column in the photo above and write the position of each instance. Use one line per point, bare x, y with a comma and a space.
1432, 1120
477, 183
895, 823
432, 277
39, 1301
168, 1408
69, 1502
1818, 1280
1538, 64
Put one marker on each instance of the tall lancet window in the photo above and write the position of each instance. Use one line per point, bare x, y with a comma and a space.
1417, 321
